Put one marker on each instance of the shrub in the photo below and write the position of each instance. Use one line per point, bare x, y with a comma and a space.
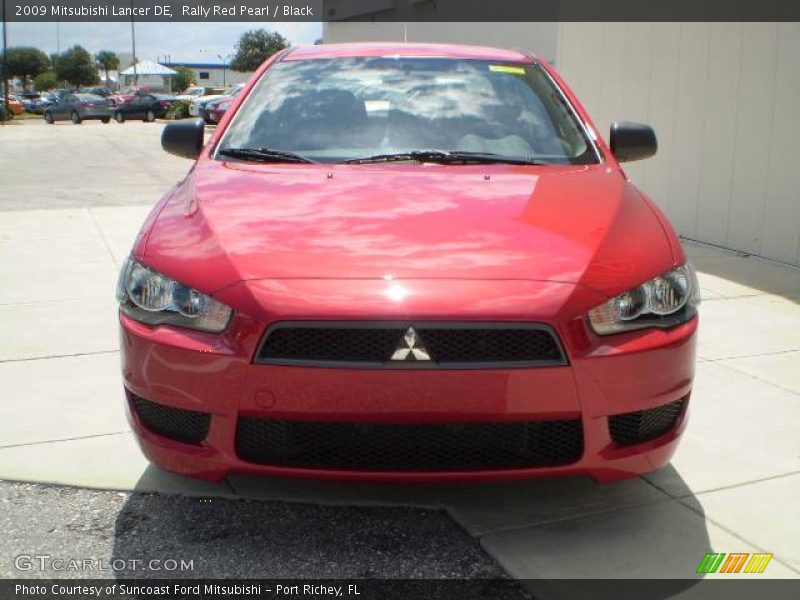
179, 110
183, 79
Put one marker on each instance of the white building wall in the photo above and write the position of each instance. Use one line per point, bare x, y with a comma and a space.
216, 77
723, 99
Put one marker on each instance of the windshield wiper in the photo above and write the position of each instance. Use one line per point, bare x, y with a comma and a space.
264, 155
447, 157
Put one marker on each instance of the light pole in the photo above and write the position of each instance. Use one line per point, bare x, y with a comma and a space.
133, 47
224, 60
5, 62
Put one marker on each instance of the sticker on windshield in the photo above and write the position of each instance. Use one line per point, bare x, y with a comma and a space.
507, 69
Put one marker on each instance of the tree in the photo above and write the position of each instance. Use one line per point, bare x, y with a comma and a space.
107, 61
76, 66
45, 81
183, 79
25, 62
256, 46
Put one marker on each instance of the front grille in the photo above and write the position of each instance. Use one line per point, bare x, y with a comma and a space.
641, 426
409, 447
373, 344
181, 425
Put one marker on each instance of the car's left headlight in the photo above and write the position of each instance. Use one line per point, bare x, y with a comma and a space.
664, 301
155, 299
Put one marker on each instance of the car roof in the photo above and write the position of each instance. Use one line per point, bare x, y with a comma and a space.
409, 50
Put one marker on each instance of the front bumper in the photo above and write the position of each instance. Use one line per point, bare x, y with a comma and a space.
215, 375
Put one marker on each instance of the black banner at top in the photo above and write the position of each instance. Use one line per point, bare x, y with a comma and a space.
401, 10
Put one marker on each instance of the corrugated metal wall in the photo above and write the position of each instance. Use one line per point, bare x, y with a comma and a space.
724, 99
540, 38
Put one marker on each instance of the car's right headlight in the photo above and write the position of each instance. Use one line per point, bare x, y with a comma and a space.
664, 301
155, 299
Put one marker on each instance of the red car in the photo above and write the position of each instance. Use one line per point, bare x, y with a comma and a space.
123, 97
218, 109
408, 262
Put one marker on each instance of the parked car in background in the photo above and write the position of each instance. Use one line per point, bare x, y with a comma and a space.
27, 99
37, 106
198, 106
213, 111
196, 91
147, 107
78, 108
123, 97
98, 91
219, 109
15, 105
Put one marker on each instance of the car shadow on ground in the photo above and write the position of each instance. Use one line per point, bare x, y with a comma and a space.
545, 532
729, 274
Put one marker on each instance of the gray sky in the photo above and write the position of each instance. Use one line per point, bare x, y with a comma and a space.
182, 41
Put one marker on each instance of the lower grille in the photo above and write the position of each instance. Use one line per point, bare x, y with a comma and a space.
412, 447
188, 426
641, 426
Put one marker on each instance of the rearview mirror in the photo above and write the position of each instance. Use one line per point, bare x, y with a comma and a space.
184, 138
632, 141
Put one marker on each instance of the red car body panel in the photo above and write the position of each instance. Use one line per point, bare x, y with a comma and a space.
439, 230
407, 242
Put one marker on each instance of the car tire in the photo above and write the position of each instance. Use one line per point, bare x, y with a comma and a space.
119, 117
106, 120
76, 118
150, 116
48, 118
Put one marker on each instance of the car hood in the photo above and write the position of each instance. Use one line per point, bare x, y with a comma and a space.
229, 222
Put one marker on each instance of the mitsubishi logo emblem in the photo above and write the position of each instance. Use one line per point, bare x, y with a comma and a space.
410, 347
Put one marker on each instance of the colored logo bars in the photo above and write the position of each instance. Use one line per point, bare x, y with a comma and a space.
736, 562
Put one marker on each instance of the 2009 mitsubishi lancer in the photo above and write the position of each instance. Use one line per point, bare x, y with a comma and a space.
408, 262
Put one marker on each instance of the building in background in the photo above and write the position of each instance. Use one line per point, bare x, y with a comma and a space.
722, 98
148, 74
212, 74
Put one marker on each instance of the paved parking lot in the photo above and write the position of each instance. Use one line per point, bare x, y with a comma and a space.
72, 200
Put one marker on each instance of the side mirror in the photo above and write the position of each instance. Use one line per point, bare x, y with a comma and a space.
632, 141
184, 138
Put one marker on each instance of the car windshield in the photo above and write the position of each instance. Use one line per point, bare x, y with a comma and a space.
334, 110
90, 98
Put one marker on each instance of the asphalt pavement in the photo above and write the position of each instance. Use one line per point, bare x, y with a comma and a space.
125, 532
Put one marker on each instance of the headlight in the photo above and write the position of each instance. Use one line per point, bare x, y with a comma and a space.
664, 301
155, 299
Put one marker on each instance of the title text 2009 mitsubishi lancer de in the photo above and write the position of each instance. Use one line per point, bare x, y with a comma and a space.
407, 262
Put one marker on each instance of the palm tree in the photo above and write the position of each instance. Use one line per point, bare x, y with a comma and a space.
107, 61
